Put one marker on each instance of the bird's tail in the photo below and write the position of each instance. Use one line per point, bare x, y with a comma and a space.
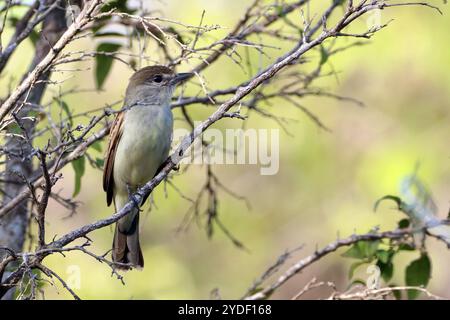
126, 247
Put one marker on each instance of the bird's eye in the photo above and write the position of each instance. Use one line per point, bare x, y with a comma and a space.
158, 78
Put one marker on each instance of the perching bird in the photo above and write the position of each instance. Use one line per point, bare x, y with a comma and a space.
139, 143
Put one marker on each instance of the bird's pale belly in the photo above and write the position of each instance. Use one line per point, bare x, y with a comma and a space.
143, 147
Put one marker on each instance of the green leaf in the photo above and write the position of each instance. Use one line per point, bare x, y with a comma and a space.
396, 199
97, 146
403, 224
280, 10
104, 62
36, 276
66, 109
406, 247
371, 248
417, 274
353, 252
385, 264
79, 168
386, 269
384, 255
323, 55
397, 293
108, 34
362, 250
99, 162
117, 5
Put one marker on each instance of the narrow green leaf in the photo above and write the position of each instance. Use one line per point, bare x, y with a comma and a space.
104, 62
108, 34
417, 274
323, 55
396, 199
79, 168
97, 146
66, 109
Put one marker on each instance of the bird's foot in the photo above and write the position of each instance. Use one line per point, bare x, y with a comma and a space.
133, 198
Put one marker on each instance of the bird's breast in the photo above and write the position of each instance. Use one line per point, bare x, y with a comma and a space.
144, 144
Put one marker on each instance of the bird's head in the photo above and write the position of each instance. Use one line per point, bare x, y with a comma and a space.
154, 84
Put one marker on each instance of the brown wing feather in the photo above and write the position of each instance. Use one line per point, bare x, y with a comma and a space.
108, 171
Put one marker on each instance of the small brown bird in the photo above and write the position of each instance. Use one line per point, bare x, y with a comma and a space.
139, 143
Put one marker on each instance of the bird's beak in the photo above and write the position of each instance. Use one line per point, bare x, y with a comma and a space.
179, 77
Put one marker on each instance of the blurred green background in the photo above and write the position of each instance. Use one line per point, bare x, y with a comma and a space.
327, 182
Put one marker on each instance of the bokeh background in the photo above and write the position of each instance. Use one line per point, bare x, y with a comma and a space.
327, 182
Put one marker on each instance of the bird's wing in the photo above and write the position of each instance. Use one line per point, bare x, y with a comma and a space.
108, 171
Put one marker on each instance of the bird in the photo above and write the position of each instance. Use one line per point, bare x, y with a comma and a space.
139, 143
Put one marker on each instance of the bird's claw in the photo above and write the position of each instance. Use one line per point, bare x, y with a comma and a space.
135, 201
133, 198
